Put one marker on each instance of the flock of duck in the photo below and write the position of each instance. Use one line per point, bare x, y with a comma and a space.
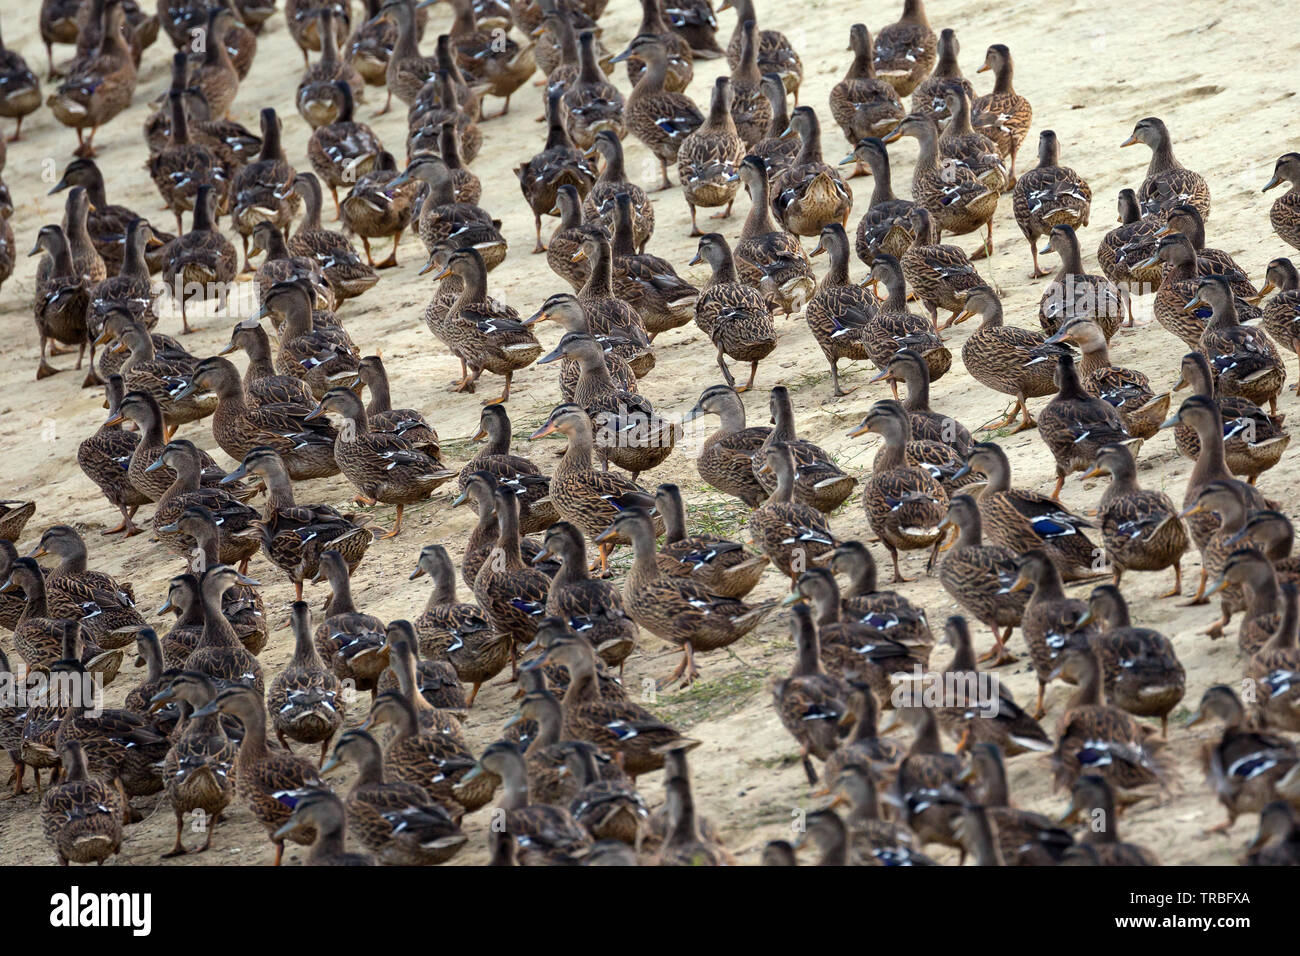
562, 780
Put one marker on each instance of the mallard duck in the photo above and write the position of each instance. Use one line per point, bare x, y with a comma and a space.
62, 299
234, 518
381, 466
1221, 503
893, 327
1186, 219
81, 815
1179, 285
929, 96
242, 604
273, 780
442, 100
864, 603
904, 503
106, 222
591, 103
20, 90
1253, 441
305, 700
606, 312
956, 200
668, 24
512, 593
496, 62
960, 144
99, 86
1050, 623
1074, 425
910, 367
131, 289
1273, 668
1245, 360
219, 652
429, 758
1050, 195
406, 71
1140, 669
1273, 533
864, 839
632, 435
263, 385
808, 193
775, 149
105, 607
43, 639
1073, 294
1245, 765
751, 109
600, 204
906, 50
720, 566
320, 812
104, 458
398, 820
238, 426
736, 316
313, 346
185, 601
1285, 212
185, 164
531, 486
775, 53
646, 282
144, 411
819, 482
1282, 311
405, 423
1168, 182
884, 226
319, 99
659, 118
280, 265
350, 641
374, 208
863, 750
708, 156
619, 727
201, 263
1277, 843
559, 163
1092, 798
1249, 569
928, 781
14, 515
480, 490
938, 274
725, 461
789, 532
813, 705
342, 150
861, 104
591, 607
263, 189
1140, 528
769, 258
1129, 391
1125, 251
1003, 115
978, 576
214, 76
371, 44
603, 802
198, 771
161, 378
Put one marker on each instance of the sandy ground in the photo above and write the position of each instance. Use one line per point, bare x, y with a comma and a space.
1087, 80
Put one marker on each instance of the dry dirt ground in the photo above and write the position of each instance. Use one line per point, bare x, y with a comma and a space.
1090, 76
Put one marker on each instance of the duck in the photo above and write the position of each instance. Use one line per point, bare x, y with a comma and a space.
1253, 440
81, 816
1186, 219
910, 367
884, 226
263, 385
1283, 309
272, 780
707, 158
813, 705
62, 299
894, 327
962, 145
737, 317
406, 70
485, 333
342, 150
601, 203
863, 752
1073, 294
381, 466
751, 109
184, 600
305, 700
313, 347
20, 89
199, 769
398, 820
1140, 528
1050, 195
607, 313
375, 209
904, 503
1074, 425
861, 104
1092, 797
819, 482
318, 98
532, 487
202, 261
835, 295
1224, 502
1245, 764
1284, 215
282, 265
185, 164
427, 757
1003, 114
562, 251
789, 532
43, 639
610, 809
233, 517
560, 162
1125, 251
725, 461
512, 594
242, 604
323, 813
767, 257
863, 602
1179, 285
98, 87
1271, 532
1277, 843
661, 119
105, 606
462, 633
351, 641
622, 728
1245, 360
480, 490
219, 652
405, 423
1251, 570
239, 426
107, 222
263, 189
671, 26
776, 54
906, 50
498, 63
808, 193
591, 103
928, 781
104, 458
978, 576
956, 200
1167, 182
719, 565
929, 96
591, 607
648, 283
775, 149
938, 274
1127, 390
1140, 668
131, 289
1273, 668
161, 378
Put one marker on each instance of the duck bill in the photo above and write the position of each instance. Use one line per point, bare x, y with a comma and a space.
1272, 183
240, 472
315, 413
605, 536
858, 432
543, 431
1131, 141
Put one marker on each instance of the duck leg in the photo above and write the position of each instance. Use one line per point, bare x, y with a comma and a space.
338, 210
20, 768
667, 183
473, 693
898, 574
695, 229
505, 393
1038, 272
725, 214
540, 246
1060, 483
1039, 709
986, 250
178, 849
279, 851
809, 769
1177, 589
397, 526
1199, 597
753, 372
44, 369
726, 372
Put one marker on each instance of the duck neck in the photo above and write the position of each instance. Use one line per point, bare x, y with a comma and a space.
508, 539
340, 591
1088, 691
759, 220
1211, 463
217, 632
311, 202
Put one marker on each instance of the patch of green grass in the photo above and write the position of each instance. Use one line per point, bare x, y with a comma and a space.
724, 519
711, 699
